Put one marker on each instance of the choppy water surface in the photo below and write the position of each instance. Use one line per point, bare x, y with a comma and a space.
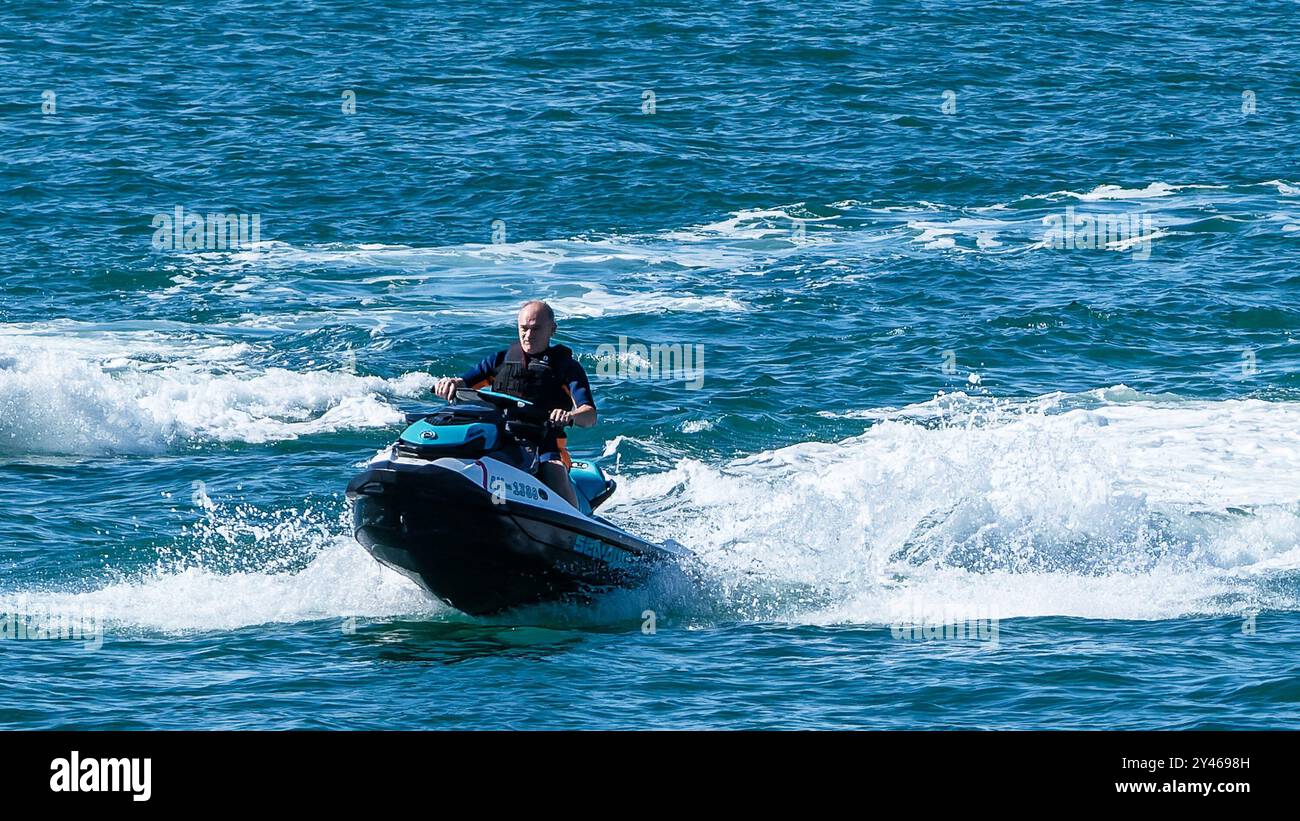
996, 304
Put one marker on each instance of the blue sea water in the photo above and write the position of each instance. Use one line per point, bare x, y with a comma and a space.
931, 393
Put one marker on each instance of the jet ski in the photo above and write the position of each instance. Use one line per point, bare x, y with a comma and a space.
456, 505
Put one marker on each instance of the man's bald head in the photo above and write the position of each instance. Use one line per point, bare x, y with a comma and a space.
536, 326
538, 305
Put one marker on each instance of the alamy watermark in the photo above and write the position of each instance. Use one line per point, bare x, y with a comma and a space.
1248, 104
1249, 364
76, 623
1116, 232
949, 104
183, 230
950, 627
125, 775
657, 361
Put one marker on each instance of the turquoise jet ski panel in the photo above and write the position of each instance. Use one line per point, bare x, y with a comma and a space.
423, 435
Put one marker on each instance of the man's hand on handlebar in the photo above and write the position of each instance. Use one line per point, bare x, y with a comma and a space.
446, 387
561, 418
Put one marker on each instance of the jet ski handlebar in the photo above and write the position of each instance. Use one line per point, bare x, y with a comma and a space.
523, 419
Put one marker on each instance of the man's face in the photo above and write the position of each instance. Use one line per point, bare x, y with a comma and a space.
535, 330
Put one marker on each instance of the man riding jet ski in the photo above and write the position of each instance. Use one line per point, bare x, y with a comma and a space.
546, 375
480, 504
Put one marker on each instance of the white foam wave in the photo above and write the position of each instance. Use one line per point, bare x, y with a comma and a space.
83, 391
598, 301
705, 247
341, 582
1110, 504
1283, 187
1106, 505
1115, 192
741, 240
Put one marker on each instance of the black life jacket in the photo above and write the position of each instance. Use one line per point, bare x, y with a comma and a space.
539, 381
